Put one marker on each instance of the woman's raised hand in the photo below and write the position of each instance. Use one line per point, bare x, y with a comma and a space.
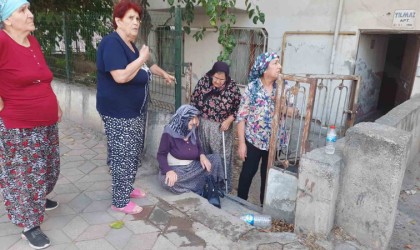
1, 104
171, 178
144, 52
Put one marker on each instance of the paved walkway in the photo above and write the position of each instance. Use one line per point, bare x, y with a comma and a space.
168, 221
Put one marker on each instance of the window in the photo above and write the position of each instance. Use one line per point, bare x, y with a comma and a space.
249, 44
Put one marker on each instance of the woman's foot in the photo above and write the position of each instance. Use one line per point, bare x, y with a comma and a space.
130, 208
137, 193
36, 238
50, 205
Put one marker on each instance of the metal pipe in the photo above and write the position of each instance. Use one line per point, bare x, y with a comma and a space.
178, 57
336, 33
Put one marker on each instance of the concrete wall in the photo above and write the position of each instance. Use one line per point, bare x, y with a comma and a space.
375, 157
406, 117
79, 105
318, 187
370, 161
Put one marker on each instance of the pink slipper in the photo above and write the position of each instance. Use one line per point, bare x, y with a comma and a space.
131, 208
137, 193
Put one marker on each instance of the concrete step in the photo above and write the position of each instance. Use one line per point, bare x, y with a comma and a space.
225, 222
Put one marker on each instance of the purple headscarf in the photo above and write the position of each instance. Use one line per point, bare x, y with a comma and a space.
220, 67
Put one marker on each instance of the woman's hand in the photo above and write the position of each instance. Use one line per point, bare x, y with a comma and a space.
60, 113
169, 79
144, 52
242, 151
1, 104
205, 163
171, 178
225, 125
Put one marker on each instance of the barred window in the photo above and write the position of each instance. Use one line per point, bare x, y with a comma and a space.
249, 44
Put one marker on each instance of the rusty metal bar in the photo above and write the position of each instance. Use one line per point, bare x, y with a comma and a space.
333, 77
353, 103
308, 117
296, 78
279, 103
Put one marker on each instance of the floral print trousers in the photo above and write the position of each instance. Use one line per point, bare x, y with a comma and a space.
125, 139
29, 169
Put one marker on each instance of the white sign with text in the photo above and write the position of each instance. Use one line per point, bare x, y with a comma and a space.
404, 19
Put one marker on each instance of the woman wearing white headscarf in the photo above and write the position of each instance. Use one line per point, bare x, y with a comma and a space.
29, 112
183, 164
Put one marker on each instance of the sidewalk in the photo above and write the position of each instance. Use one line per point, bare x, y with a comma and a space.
168, 221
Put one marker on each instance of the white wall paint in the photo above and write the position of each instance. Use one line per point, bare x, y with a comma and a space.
314, 53
416, 87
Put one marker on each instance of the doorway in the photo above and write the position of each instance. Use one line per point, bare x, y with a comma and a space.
387, 64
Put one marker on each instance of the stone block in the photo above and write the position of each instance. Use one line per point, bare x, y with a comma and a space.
375, 158
318, 187
280, 195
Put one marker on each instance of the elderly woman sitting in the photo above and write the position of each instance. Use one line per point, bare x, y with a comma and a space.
183, 165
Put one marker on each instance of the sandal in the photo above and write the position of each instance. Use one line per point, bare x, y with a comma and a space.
130, 208
137, 193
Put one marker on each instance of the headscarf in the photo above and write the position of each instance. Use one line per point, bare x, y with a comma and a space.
7, 7
178, 125
260, 65
220, 67
212, 90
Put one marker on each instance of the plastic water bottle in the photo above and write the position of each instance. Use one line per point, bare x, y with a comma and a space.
262, 221
331, 139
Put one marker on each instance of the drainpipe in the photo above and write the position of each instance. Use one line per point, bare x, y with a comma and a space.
336, 33
332, 59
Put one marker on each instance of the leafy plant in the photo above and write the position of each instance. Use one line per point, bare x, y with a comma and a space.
220, 17
52, 16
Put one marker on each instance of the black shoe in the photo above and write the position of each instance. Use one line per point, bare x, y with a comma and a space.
37, 239
51, 205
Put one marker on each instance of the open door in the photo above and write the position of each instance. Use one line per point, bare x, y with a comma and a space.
408, 69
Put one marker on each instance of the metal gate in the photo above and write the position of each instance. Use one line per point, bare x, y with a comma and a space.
305, 107
164, 36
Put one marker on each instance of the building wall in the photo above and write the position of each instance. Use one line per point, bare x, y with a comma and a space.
416, 87
305, 53
370, 67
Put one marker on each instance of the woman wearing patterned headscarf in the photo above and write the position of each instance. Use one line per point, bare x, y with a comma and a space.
183, 164
29, 147
254, 121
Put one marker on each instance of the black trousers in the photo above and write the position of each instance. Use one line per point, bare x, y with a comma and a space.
250, 168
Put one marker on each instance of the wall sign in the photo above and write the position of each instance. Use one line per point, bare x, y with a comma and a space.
404, 19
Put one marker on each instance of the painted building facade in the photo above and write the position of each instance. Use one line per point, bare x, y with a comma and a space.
376, 39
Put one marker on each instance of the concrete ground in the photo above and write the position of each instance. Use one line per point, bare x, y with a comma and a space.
168, 221
406, 233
